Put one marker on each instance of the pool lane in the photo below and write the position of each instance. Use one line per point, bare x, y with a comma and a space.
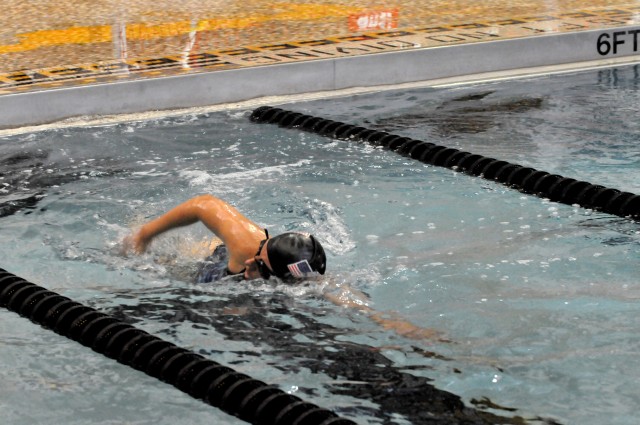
61, 61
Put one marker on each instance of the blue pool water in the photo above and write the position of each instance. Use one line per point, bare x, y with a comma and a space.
535, 304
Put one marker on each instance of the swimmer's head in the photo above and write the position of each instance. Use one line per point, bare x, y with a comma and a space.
296, 255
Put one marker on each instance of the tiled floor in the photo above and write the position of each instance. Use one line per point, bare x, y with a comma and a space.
46, 44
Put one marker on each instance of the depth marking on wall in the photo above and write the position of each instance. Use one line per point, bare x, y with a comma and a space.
609, 44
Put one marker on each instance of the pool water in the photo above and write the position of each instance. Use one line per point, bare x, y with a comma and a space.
535, 303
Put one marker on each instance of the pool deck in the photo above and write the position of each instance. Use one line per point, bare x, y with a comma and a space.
69, 59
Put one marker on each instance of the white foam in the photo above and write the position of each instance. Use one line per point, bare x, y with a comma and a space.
203, 178
151, 173
329, 227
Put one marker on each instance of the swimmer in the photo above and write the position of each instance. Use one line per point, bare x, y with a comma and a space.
246, 248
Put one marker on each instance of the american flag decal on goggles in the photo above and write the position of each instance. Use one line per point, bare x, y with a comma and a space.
301, 269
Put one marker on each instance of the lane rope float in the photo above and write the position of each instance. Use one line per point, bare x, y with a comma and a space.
234, 393
525, 179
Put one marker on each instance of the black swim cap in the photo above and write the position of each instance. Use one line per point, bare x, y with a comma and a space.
296, 255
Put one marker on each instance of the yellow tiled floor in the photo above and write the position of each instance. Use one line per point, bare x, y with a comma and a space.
42, 41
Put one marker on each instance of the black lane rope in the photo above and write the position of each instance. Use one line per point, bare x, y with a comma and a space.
235, 393
525, 179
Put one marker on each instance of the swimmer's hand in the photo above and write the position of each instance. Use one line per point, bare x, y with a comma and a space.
405, 329
136, 242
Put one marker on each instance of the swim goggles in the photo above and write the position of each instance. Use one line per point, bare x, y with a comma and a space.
265, 272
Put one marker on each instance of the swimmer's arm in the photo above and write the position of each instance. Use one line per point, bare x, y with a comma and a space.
351, 298
403, 327
220, 217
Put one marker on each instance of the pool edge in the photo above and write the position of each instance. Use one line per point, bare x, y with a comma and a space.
463, 62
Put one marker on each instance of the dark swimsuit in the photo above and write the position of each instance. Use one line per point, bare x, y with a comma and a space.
214, 267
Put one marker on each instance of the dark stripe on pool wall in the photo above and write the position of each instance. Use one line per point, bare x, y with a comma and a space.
525, 179
235, 393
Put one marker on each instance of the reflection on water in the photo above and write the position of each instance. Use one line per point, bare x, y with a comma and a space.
26, 175
292, 336
472, 113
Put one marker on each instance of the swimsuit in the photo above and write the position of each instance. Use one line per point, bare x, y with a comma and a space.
214, 267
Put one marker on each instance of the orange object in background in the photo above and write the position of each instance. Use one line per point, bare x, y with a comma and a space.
374, 20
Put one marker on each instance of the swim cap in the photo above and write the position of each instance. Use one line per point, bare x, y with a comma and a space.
296, 255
